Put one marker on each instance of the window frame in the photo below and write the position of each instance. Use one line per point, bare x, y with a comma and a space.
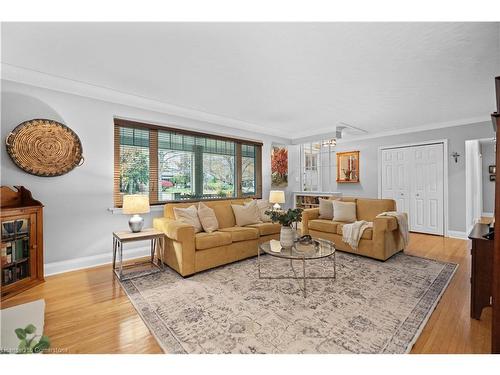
154, 167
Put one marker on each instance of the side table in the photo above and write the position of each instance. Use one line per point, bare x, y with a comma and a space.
157, 239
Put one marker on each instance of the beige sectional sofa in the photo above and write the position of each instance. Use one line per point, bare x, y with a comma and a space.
380, 242
188, 252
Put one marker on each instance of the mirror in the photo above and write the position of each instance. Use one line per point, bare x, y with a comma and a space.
348, 166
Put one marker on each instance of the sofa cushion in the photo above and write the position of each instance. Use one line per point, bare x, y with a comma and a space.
205, 240
264, 206
189, 216
241, 233
222, 208
323, 225
325, 209
246, 214
367, 233
344, 211
224, 213
207, 218
266, 229
368, 209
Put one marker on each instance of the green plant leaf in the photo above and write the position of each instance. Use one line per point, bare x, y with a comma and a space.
30, 328
45, 339
42, 345
23, 346
32, 343
20, 333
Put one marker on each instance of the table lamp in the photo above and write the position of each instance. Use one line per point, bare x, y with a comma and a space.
134, 205
277, 197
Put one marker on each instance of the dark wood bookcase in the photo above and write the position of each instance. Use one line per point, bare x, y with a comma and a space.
21, 225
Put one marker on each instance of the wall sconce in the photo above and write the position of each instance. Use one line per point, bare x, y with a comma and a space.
455, 156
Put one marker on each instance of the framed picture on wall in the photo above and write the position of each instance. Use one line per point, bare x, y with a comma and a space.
279, 166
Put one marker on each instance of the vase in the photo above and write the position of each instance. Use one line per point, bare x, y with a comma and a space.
287, 236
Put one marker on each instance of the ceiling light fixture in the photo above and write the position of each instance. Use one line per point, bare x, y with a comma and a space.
330, 142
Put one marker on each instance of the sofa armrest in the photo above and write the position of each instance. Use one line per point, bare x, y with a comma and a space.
179, 244
308, 214
174, 229
385, 224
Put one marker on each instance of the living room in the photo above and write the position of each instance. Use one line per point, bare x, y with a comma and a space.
250, 187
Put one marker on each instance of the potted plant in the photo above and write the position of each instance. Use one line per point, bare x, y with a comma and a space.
286, 219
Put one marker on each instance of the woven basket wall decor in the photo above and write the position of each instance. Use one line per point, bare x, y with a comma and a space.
44, 148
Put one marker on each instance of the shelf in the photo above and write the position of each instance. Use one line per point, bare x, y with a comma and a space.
15, 263
20, 236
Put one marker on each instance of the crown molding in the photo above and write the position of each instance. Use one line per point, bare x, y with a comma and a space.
416, 129
48, 81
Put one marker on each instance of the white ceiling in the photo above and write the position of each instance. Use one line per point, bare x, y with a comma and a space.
289, 79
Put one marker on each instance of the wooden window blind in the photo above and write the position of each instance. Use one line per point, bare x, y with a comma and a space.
172, 164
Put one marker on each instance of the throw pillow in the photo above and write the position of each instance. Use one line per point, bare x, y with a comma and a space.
207, 218
325, 209
264, 206
246, 214
344, 211
189, 216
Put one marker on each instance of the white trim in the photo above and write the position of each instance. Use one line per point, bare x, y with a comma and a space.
415, 129
487, 214
52, 82
70, 86
55, 268
457, 234
445, 174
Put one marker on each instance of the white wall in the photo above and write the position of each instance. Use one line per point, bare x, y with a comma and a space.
77, 223
368, 186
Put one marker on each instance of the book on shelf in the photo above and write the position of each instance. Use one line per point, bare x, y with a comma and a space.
7, 276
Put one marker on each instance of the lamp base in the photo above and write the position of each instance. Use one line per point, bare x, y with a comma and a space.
136, 223
276, 207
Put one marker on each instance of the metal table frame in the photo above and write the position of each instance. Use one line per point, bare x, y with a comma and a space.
302, 259
157, 241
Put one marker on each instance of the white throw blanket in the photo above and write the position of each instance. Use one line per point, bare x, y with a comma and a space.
351, 233
402, 220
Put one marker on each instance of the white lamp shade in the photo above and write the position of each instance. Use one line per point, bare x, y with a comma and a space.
277, 196
135, 204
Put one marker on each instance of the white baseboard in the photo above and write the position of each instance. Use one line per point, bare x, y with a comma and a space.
487, 214
457, 234
92, 261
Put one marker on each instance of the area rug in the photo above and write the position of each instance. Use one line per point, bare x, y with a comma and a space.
371, 307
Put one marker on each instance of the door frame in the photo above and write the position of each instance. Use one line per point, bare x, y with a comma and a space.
468, 197
445, 172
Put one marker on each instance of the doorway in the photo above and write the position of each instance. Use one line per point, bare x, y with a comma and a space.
480, 172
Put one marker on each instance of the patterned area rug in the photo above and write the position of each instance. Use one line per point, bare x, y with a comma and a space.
371, 307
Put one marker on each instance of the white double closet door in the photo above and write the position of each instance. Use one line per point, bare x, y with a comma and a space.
414, 177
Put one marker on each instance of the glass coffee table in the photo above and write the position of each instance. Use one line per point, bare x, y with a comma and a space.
303, 253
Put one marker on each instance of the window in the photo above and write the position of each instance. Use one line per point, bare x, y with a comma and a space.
248, 170
134, 161
177, 165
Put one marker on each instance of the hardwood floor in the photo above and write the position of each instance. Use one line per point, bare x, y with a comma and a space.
88, 312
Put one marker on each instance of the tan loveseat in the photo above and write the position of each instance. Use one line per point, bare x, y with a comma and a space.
188, 253
381, 242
